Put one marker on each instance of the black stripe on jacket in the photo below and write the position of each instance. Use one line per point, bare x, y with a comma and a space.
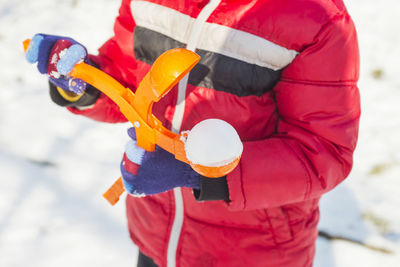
214, 70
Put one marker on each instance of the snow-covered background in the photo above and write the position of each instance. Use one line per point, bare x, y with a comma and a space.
54, 166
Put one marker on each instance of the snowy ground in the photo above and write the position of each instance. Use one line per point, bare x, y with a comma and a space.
54, 166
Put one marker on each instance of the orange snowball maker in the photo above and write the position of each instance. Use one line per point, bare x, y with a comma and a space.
166, 72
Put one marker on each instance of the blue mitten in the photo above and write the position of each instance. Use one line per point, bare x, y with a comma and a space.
147, 173
56, 56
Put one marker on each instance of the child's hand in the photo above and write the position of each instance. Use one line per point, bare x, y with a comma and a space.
56, 56
147, 173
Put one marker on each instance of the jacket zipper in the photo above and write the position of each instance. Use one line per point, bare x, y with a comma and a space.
176, 127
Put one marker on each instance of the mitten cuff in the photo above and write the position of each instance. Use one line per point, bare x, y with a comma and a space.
88, 98
212, 189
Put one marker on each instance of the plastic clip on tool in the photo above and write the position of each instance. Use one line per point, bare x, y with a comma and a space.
166, 72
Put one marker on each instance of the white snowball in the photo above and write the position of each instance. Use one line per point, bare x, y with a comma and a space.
213, 143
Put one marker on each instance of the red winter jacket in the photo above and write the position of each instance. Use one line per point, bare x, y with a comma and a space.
284, 74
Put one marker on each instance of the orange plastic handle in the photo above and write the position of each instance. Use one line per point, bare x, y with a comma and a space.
114, 192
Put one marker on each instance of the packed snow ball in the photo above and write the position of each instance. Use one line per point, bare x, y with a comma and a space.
213, 143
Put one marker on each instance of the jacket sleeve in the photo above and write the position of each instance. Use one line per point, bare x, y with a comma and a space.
319, 108
116, 59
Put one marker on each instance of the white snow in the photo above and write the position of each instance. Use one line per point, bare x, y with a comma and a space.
54, 166
213, 143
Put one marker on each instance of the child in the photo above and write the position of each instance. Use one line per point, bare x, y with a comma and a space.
282, 73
